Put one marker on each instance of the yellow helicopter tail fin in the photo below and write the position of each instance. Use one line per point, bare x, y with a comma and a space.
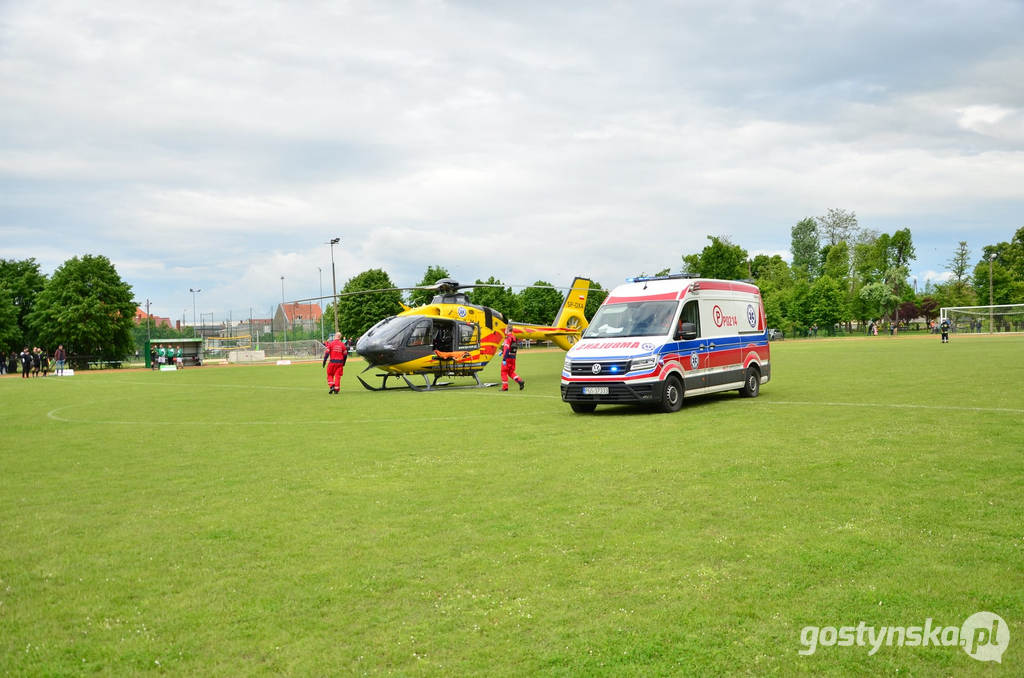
570, 315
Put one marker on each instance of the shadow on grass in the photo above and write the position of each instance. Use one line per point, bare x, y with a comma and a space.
696, 403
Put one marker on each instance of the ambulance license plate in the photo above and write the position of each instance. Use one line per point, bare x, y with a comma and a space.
595, 390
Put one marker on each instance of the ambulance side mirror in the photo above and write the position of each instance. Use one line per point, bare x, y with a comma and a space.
687, 331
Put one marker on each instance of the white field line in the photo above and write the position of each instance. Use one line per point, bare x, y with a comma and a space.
954, 408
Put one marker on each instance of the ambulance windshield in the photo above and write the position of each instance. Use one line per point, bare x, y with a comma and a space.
632, 319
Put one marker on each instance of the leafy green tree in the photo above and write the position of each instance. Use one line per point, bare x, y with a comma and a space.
23, 282
720, 259
430, 276
10, 333
879, 298
595, 297
359, 312
88, 308
502, 299
805, 246
827, 301
539, 303
837, 262
992, 280
771, 270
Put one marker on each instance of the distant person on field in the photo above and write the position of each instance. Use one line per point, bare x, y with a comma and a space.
944, 327
335, 353
26, 362
36, 362
60, 357
44, 361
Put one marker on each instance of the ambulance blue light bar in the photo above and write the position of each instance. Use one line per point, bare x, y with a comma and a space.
671, 276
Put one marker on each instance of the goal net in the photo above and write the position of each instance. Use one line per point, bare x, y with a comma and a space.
221, 345
305, 349
984, 319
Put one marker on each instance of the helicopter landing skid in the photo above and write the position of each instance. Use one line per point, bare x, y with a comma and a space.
427, 384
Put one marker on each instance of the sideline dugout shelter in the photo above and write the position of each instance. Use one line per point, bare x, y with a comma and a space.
191, 349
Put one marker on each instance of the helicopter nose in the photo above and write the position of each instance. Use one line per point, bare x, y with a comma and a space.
375, 351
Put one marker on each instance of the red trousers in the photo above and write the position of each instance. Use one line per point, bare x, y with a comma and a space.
334, 372
508, 371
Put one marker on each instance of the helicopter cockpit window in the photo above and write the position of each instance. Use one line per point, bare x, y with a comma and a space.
386, 328
469, 335
420, 335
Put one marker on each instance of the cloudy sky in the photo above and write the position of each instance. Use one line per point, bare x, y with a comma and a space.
220, 145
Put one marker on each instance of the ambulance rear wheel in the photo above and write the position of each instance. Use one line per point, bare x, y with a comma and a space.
672, 396
582, 408
751, 383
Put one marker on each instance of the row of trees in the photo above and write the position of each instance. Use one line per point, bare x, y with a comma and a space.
84, 305
842, 273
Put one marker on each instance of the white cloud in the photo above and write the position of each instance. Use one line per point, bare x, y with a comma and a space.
222, 145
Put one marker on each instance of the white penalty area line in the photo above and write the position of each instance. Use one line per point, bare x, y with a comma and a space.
906, 406
55, 416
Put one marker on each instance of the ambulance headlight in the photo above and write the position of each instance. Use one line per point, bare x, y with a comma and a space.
567, 366
645, 363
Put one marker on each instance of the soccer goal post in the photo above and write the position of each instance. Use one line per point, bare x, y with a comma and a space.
302, 350
989, 319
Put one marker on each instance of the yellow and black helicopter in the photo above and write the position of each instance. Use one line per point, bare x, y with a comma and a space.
451, 337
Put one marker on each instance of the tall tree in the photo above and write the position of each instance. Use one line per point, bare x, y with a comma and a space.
359, 312
837, 226
805, 246
10, 333
837, 262
959, 264
500, 298
539, 303
88, 308
23, 282
430, 276
721, 259
827, 300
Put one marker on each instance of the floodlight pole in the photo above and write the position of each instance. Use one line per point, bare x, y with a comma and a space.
991, 258
194, 293
284, 313
334, 283
321, 271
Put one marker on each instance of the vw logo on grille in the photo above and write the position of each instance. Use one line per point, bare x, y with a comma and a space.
596, 368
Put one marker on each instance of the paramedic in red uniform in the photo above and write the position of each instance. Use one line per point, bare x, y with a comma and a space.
336, 352
508, 361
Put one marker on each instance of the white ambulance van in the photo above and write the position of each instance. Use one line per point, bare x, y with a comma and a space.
658, 340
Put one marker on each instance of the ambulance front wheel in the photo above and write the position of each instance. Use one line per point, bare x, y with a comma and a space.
751, 383
672, 396
582, 408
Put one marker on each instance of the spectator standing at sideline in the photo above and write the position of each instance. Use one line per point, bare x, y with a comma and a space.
26, 362
60, 356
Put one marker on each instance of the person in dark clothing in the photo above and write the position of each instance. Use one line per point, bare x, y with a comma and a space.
36, 361
26, 362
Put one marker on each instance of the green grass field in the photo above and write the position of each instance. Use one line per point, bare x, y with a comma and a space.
239, 521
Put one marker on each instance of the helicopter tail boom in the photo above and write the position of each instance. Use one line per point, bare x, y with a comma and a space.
569, 321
